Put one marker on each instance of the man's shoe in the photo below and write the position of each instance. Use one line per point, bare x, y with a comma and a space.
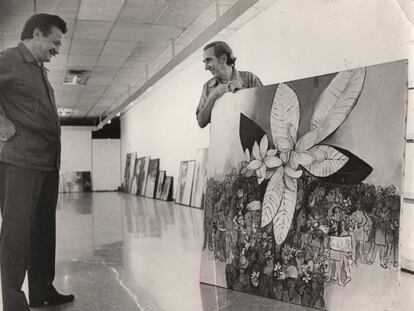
51, 298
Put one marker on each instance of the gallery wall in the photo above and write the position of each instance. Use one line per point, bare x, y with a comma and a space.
106, 169
292, 39
76, 149
101, 157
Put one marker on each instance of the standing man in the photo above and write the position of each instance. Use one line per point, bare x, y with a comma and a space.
29, 166
219, 60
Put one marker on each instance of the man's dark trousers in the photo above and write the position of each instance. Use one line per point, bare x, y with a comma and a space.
28, 201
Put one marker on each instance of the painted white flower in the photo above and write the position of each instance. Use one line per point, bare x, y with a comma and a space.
263, 160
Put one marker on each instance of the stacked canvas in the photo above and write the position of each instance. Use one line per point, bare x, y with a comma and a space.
143, 178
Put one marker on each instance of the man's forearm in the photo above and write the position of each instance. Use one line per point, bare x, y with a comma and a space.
204, 115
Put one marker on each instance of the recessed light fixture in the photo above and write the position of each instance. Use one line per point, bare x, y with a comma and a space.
76, 77
64, 112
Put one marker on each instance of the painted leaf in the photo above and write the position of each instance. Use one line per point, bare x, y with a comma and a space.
284, 144
261, 173
305, 157
272, 162
285, 110
247, 155
336, 102
272, 197
307, 141
283, 218
353, 172
292, 174
256, 151
333, 162
264, 145
250, 132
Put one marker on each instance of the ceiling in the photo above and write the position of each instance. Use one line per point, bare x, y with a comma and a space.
122, 42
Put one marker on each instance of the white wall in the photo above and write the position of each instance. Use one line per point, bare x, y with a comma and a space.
106, 168
101, 157
290, 40
76, 149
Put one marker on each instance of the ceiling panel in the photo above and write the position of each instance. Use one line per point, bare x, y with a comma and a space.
113, 96
142, 11
105, 71
103, 81
119, 81
128, 31
12, 25
17, 8
123, 48
100, 10
139, 62
86, 46
87, 101
116, 89
66, 102
181, 14
65, 9
81, 61
104, 103
129, 73
150, 49
93, 90
111, 61
79, 113
96, 111
158, 33
94, 30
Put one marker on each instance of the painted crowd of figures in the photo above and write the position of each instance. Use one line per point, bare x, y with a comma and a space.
335, 228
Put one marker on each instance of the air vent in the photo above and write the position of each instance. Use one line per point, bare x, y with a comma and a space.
76, 77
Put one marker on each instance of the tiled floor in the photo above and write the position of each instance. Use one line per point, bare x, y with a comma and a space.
121, 252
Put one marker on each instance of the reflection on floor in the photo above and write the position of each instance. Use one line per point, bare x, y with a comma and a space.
121, 252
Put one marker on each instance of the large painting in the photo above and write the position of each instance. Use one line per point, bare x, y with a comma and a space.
200, 177
185, 182
75, 182
141, 173
167, 188
129, 172
304, 189
160, 184
152, 178
125, 182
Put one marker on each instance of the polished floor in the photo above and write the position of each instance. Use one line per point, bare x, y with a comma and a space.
120, 252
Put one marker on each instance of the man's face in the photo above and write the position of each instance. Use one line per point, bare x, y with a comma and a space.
217, 66
47, 46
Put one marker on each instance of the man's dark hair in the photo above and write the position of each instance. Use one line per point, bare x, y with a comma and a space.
44, 22
221, 48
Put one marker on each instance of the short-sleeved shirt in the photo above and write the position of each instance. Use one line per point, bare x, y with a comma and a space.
247, 79
27, 100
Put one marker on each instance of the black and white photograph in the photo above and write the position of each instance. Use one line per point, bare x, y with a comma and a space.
206, 155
